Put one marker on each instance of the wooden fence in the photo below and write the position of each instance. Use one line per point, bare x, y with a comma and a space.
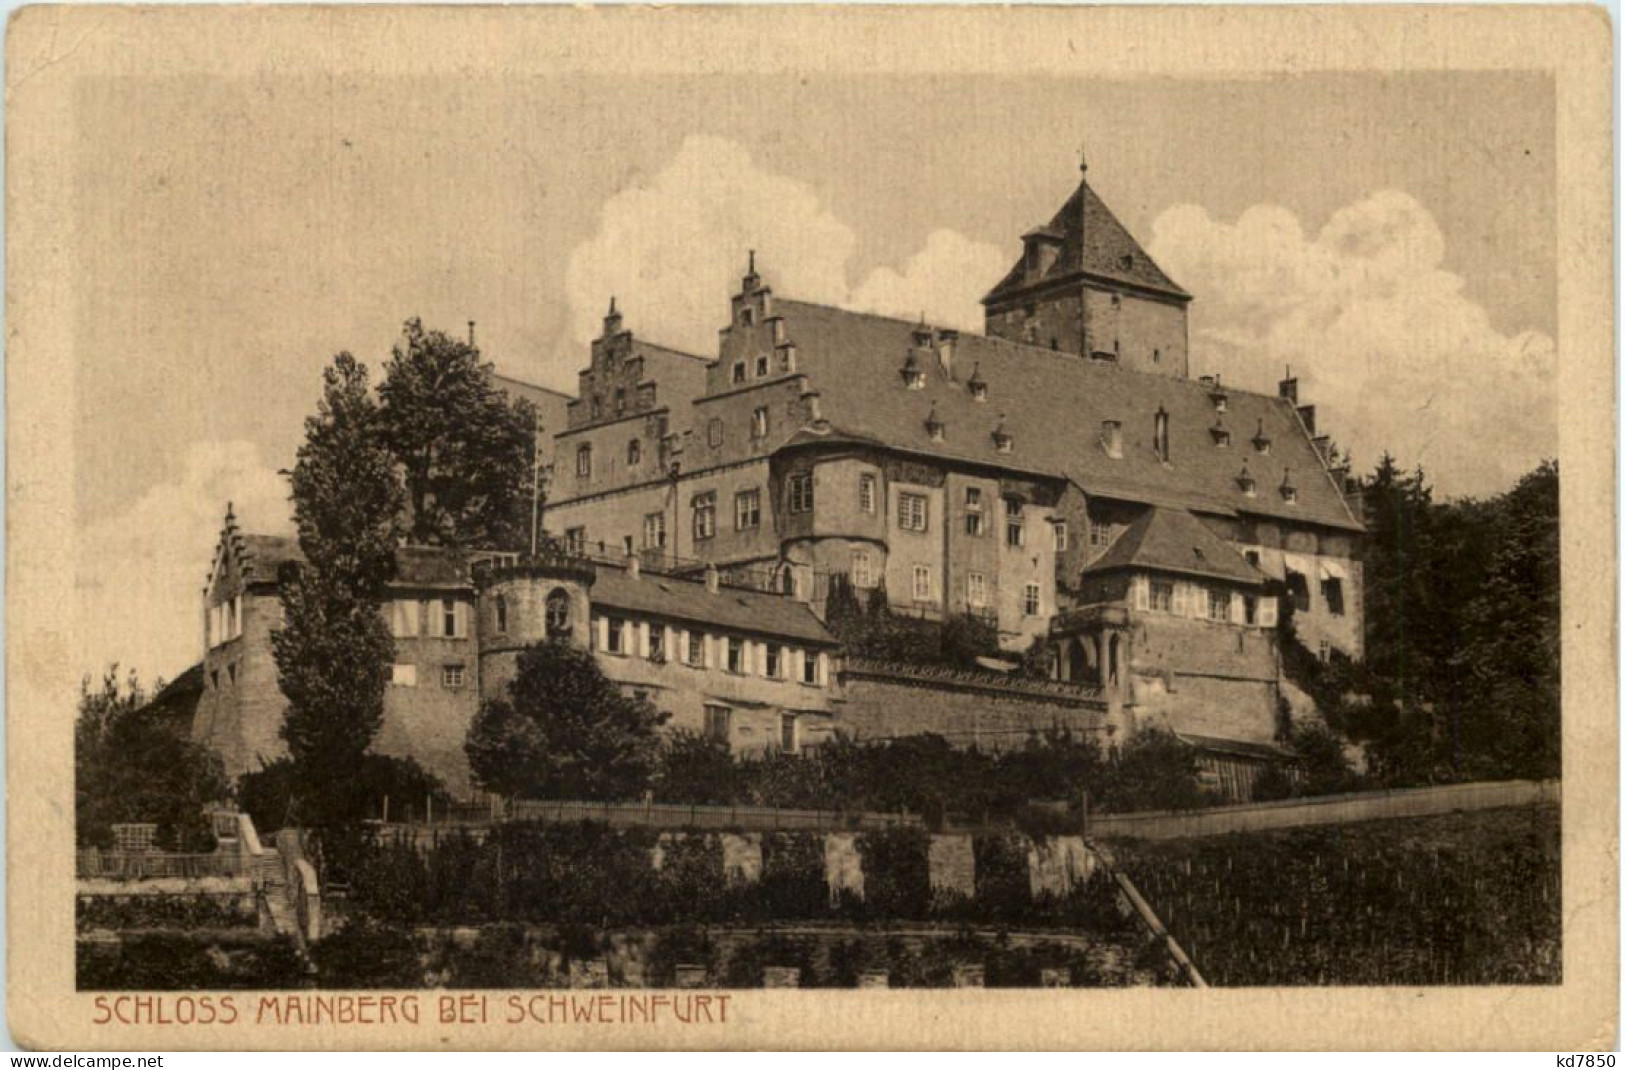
92, 863
744, 818
1325, 810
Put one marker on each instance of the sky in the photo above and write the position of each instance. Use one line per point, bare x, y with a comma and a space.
1391, 238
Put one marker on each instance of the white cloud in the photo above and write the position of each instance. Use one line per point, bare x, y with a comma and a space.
1383, 340
141, 572
673, 249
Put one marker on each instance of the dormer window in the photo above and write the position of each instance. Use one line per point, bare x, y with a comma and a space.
1289, 493
1245, 480
1219, 397
1159, 436
913, 376
934, 426
1221, 434
1003, 441
977, 385
1261, 441
1126, 262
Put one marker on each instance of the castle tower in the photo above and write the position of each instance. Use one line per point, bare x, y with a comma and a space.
1084, 285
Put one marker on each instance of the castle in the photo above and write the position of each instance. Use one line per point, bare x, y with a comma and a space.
1060, 478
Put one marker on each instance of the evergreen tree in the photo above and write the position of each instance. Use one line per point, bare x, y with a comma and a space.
334, 648
464, 448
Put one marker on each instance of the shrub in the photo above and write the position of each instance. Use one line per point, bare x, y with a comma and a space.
896, 872
793, 884
1003, 888
367, 953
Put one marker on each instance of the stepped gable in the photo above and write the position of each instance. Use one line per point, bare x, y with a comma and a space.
1093, 242
1053, 406
416, 566
726, 608
1171, 540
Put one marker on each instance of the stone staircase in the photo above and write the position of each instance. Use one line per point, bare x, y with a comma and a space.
270, 877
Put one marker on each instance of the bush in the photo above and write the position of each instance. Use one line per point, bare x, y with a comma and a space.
189, 961
793, 884
165, 912
1003, 888
897, 873
367, 953
269, 794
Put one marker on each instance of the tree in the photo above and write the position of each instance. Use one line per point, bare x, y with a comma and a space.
464, 448
564, 731
129, 766
1155, 771
334, 648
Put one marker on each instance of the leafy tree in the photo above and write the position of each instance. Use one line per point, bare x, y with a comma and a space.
564, 731
1155, 771
334, 648
130, 766
697, 770
464, 447
269, 794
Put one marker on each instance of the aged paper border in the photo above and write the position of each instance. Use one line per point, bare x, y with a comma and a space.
50, 47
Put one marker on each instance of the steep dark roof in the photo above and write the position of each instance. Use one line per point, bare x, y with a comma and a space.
727, 609
532, 392
417, 566
1093, 242
1171, 540
1238, 747
1053, 404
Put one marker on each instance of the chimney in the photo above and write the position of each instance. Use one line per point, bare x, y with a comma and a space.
634, 566
1323, 446
1289, 388
713, 581
1306, 413
947, 343
1111, 438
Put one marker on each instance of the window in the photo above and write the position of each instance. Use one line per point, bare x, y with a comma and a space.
799, 492
1252, 558
1331, 589
758, 422
501, 611
973, 511
913, 512
615, 636
1159, 436
558, 613
451, 676
448, 617
575, 540
866, 493
231, 673
657, 642
597, 408
1325, 650
1162, 596
654, 531
922, 583
705, 515
1218, 604
713, 432
1249, 609
584, 460
694, 648
1297, 585
775, 666
748, 510
736, 656
402, 675
1015, 525
739, 371
718, 723
787, 732
763, 366
634, 453
1099, 534
1060, 536
1029, 600
403, 618
976, 589
620, 400
809, 668
861, 574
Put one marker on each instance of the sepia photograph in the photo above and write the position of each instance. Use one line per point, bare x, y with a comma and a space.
590, 543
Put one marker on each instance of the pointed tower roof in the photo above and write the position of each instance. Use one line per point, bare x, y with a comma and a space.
1093, 243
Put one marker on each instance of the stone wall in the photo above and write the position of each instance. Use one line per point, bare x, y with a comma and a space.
965, 715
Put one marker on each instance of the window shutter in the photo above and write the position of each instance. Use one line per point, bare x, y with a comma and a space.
1266, 612
1238, 611
1142, 593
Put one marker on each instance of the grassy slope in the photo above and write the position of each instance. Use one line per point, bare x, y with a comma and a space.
1469, 898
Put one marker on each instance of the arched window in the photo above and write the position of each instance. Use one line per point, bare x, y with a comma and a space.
502, 615
558, 613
